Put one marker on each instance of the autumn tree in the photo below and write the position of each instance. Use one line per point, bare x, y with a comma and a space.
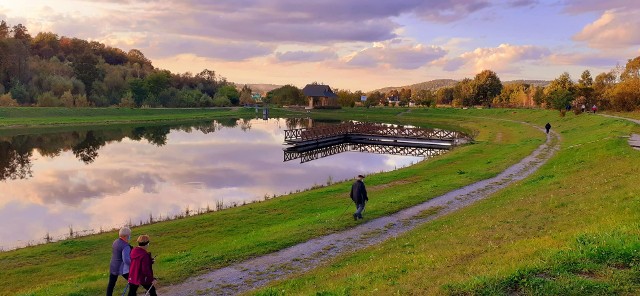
245, 96
563, 82
486, 86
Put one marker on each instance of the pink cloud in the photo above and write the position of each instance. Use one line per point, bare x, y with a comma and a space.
504, 58
614, 29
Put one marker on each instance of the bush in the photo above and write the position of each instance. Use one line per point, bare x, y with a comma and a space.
7, 101
48, 99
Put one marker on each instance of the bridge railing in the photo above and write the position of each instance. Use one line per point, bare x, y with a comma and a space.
304, 134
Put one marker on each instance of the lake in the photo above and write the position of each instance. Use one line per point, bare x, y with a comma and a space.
89, 179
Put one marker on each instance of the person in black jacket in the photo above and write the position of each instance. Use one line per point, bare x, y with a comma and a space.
359, 196
547, 127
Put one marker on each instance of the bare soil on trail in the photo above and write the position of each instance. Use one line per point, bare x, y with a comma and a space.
257, 272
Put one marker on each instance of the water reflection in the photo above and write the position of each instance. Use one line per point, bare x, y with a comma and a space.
104, 178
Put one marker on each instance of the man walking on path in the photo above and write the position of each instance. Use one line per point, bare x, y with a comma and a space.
120, 259
359, 196
547, 127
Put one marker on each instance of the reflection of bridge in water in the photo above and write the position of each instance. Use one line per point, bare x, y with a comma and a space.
314, 143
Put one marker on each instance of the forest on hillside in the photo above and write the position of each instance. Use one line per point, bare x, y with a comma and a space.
48, 70
51, 71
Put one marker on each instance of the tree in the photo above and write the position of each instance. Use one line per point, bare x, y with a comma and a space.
139, 90
157, 82
486, 86
20, 32
7, 101
86, 69
584, 89
45, 45
444, 95
563, 82
286, 95
631, 70
20, 94
135, 56
230, 92
463, 93
4, 30
245, 96
560, 98
67, 99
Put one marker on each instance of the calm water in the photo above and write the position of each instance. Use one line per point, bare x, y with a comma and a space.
92, 179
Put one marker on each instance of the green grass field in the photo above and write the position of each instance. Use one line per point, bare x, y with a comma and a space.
570, 229
194, 245
39, 117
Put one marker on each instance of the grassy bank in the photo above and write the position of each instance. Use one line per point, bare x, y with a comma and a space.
196, 244
38, 117
570, 229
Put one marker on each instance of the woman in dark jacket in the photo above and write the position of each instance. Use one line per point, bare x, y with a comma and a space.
141, 270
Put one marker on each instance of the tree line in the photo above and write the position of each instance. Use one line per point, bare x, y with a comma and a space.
49, 70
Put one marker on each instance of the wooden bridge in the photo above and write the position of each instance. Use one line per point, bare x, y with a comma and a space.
312, 143
296, 136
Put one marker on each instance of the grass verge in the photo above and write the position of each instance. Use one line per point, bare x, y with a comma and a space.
524, 233
194, 245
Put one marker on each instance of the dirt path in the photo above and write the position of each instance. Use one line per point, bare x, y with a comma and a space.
257, 272
634, 139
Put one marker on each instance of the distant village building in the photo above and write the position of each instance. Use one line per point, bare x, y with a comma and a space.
320, 96
257, 97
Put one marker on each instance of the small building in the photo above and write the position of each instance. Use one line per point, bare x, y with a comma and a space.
320, 96
257, 97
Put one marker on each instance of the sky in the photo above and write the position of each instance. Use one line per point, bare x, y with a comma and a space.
352, 44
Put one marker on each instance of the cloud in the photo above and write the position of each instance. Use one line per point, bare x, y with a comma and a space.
522, 3
584, 59
306, 56
395, 55
504, 58
582, 6
208, 48
614, 29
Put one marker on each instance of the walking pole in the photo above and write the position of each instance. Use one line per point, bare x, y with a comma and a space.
125, 289
148, 291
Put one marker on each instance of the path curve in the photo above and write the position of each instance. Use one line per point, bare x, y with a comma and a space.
257, 272
634, 139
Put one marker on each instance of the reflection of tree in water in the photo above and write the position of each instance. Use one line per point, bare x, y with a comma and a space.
14, 163
228, 122
87, 150
156, 135
245, 124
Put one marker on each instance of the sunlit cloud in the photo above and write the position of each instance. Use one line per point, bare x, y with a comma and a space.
504, 58
614, 29
395, 54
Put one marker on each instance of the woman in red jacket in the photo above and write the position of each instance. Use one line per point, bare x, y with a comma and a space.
140, 270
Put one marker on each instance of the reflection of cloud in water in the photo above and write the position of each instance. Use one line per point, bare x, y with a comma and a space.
132, 179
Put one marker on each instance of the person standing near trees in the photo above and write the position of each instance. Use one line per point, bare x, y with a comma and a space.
594, 108
120, 259
359, 196
547, 127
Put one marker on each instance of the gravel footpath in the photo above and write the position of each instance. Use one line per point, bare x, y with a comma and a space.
257, 272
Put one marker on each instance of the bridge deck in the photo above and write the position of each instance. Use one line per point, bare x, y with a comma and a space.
298, 136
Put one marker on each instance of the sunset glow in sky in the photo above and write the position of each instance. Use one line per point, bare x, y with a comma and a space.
352, 44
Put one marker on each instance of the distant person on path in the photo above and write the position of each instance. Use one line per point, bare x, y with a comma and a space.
583, 108
594, 109
359, 196
141, 271
547, 127
120, 259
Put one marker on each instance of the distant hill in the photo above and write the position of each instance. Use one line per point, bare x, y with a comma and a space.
532, 82
432, 85
440, 83
261, 88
